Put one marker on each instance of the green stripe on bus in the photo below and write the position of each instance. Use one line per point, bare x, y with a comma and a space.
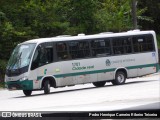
104, 70
157, 67
39, 77
82, 73
142, 66
101, 71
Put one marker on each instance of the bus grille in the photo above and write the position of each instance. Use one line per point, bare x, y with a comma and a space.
14, 85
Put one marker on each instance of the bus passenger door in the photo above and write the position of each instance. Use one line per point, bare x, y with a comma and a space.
41, 63
34, 69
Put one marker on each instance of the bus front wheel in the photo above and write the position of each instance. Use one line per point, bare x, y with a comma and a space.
120, 78
46, 87
27, 92
99, 84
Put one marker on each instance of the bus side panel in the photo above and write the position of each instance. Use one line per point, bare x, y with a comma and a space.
132, 73
84, 70
63, 73
156, 46
148, 62
145, 63
145, 71
105, 68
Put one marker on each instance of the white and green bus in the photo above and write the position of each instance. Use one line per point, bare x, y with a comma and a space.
70, 60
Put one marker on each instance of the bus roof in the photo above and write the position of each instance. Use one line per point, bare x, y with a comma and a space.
83, 36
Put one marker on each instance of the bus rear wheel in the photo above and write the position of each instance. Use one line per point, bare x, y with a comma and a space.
99, 84
120, 78
27, 92
46, 87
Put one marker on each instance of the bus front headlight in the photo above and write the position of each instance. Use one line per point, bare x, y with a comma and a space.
23, 78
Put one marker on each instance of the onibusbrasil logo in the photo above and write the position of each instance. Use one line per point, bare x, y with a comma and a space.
108, 63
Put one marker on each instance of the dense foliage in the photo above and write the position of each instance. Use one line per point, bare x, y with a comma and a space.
22, 20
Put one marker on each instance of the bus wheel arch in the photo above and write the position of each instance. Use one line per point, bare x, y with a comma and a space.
48, 82
120, 76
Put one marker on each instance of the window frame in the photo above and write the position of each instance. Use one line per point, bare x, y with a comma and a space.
123, 46
103, 48
88, 49
111, 46
44, 45
144, 35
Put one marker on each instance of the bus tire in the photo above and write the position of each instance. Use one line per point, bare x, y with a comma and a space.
46, 87
27, 92
120, 78
99, 84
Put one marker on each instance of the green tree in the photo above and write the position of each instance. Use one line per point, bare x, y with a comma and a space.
152, 12
114, 15
79, 14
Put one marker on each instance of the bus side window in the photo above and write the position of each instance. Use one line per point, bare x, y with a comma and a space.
73, 49
61, 49
122, 45
79, 49
118, 46
135, 44
49, 55
143, 43
107, 47
127, 45
42, 56
84, 49
150, 43
100, 48
36, 57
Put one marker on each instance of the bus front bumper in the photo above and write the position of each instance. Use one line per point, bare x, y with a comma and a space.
20, 85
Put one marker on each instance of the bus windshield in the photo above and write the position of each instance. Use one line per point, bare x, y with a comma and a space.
21, 56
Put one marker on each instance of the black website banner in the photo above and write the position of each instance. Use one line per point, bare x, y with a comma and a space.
90, 115
108, 115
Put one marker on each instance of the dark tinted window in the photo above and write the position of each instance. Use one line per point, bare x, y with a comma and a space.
100, 47
122, 45
143, 43
79, 49
42, 56
61, 49
49, 54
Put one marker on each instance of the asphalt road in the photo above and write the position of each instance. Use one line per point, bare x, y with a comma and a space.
136, 94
